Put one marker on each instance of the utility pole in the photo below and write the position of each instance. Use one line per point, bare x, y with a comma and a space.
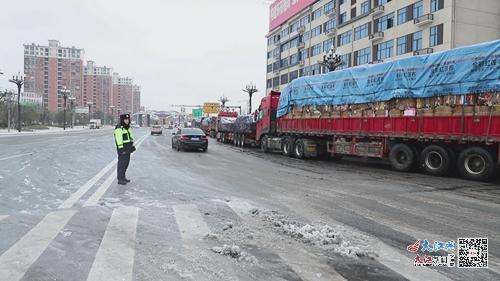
19, 81
250, 89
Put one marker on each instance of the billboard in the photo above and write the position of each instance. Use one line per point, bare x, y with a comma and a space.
81, 110
281, 10
197, 112
211, 107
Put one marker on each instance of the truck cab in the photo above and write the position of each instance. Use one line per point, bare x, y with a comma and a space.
266, 115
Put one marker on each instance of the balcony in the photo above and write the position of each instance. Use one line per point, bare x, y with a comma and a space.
302, 63
377, 36
423, 20
301, 45
301, 29
377, 11
424, 51
277, 55
276, 71
331, 32
377, 61
277, 42
330, 13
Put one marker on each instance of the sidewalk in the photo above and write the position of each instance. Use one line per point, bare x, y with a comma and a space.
51, 130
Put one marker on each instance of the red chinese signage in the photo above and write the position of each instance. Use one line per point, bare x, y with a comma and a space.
281, 10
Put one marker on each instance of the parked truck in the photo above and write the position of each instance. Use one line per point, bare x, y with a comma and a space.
95, 123
439, 112
224, 126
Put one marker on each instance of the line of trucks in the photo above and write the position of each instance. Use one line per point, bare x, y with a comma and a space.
441, 116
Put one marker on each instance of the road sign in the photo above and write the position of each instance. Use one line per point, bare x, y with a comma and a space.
197, 112
211, 107
82, 110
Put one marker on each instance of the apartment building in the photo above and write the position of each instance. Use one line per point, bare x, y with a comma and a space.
97, 87
370, 31
51, 68
126, 97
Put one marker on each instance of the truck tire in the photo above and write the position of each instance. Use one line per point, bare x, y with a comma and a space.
476, 163
263, 144
287, 147
242, 140
223, 138
298, 150
402, 157
436, 160
235, 140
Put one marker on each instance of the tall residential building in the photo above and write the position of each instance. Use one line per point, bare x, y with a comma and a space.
136, 107
51, 68
123, 90
97, 87
370, 31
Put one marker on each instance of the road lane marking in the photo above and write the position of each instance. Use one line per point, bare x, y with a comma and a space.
115, 258
191, 224
70, 202
17, 259
96, 196
307, 266
2, 217
15, 156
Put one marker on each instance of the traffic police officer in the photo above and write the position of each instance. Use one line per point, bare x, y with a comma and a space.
124, 140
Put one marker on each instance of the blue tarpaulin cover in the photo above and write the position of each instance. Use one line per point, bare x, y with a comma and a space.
470, 69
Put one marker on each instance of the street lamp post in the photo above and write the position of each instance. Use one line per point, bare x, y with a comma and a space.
90, 110
332, 59
7, 96
112, 107
250, 89
19, 81
72, 108
223, 99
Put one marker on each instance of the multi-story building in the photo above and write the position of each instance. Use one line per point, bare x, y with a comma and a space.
49, 69
123, 91
370, 31
97, 87
136, 99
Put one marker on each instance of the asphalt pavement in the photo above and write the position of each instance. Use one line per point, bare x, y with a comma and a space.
225, 214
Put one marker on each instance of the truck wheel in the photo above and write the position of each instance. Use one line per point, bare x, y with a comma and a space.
223, 137
476, 163
235, 140
287, 147
299, 149
436, 160
263, 144
402, 157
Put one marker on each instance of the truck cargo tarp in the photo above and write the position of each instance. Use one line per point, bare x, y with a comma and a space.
245, 124
226, 124
470, 69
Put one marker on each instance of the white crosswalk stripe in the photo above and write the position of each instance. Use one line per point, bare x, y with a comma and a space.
190, 222
115, 257
17, 260
2, 217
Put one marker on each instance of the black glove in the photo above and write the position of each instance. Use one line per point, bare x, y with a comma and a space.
133, 149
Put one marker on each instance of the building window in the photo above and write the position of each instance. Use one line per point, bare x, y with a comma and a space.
269, 68
384, 50
385, 22
276, 81
285, 32
342, 2
329, 6
329, 25
327, 45
316, 50
317, 14
365, 7
316, 31
306, 36
401, 45
294, 59
363, 56
294, 26
315, 69
353, 12
345, 38
418, 9
304, 54
305, 20
285, 46
276, 65
417, 41
382, 2
402, 15
293, 75
436, 35
436, 5
361, 31
345, 61
343, 18
284, 79
294, 42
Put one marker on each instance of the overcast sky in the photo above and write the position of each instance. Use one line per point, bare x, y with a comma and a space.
180, 52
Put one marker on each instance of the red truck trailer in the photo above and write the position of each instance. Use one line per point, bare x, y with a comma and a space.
439, 133
224, 126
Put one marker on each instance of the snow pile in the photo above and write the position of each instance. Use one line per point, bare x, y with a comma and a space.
323, 236
234, 252
211, 236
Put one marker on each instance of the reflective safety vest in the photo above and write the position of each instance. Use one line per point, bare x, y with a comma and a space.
123, 136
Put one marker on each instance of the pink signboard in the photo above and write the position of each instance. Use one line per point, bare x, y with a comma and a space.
281, 10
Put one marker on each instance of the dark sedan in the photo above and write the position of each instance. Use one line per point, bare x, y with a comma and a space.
189, 138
